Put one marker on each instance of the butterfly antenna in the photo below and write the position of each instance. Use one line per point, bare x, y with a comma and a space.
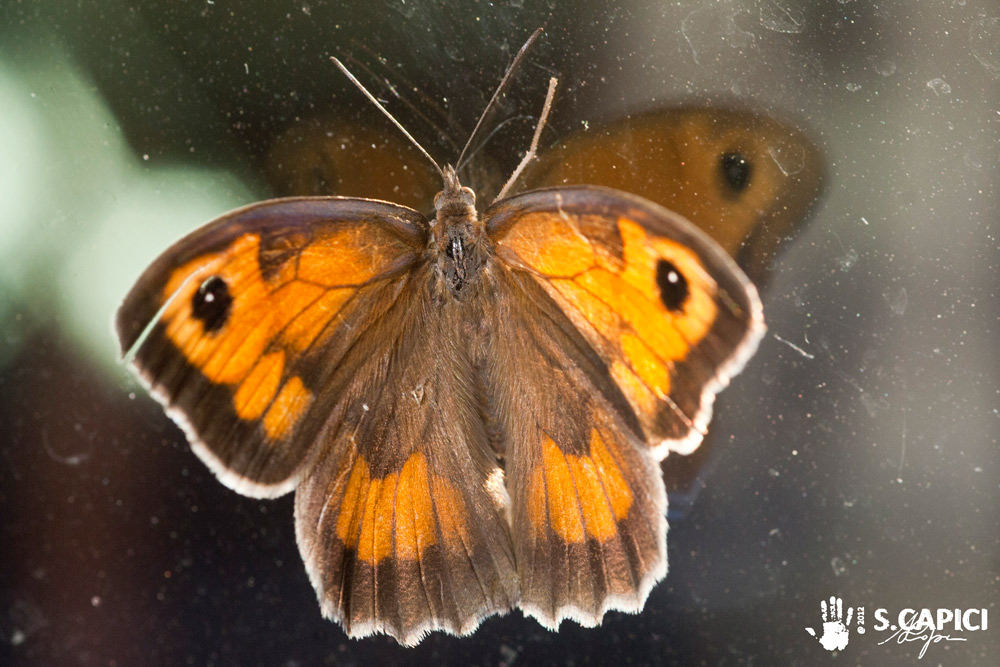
424, 101
518, 59
388, 115
533, 149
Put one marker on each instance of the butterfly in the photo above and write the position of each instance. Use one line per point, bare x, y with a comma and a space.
471, 408
747, 180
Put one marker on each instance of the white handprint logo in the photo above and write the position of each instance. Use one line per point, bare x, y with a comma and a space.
835, 626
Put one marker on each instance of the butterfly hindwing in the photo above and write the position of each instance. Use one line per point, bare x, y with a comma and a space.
238, 327
670, 316
402, 522
588, 505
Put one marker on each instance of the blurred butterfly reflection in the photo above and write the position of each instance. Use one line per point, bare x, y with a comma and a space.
747, 180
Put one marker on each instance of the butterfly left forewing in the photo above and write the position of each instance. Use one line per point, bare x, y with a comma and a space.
669, 314
239, 326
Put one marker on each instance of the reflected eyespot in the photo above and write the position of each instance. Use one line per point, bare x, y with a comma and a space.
736, 171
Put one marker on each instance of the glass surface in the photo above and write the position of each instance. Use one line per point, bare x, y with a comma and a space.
856, 456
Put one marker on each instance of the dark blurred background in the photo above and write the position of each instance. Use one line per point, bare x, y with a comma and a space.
856, 456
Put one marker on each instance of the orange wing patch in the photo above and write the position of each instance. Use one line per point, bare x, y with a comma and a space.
257, 390
401, 514
578, 496
550, 245
287, 408
271, 315
617, 298
302, 332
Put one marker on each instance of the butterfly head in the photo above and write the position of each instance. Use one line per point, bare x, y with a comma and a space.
454, 200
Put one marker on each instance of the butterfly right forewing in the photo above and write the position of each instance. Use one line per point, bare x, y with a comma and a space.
671, 317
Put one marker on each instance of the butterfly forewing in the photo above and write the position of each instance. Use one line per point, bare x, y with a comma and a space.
239, 327
669, 314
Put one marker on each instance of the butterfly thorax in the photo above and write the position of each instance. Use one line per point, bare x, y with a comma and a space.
458, 245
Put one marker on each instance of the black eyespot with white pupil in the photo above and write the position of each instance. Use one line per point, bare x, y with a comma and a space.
674, 290
212, 303
736, 171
